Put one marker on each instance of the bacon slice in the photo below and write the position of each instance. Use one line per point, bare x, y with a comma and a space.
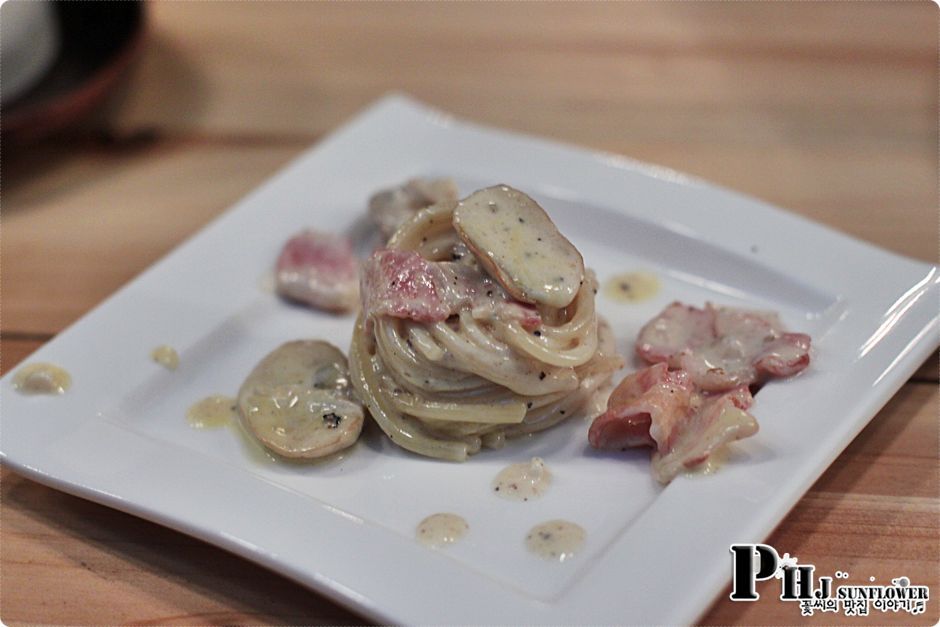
403, 284
694, 399
643, 410
784, 357
662, 409
319, 269
677, 328
719, 421
723, 348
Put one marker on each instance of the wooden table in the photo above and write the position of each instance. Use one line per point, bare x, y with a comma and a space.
827, 109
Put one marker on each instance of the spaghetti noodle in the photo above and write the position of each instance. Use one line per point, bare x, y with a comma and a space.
447, 361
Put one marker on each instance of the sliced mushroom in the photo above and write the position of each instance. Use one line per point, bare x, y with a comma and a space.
390, 208
520, 246
297, 401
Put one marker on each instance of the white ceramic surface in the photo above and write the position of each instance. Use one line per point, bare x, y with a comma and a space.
345, 527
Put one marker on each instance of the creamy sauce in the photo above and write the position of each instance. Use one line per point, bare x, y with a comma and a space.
42, 378
212, 412
523, 481
251, 447
713, 464
166, 356
438, 530
555, 540
711, 444
631, 287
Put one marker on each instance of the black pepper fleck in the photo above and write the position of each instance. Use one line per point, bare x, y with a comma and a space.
332, 420
537, 333
541, 376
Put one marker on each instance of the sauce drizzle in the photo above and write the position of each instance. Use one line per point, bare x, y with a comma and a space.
523, 481
438, 530
631, 287
42, 378
212, 412
555, 540
166, 356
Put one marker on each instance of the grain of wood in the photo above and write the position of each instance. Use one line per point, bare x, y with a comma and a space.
874, 513
112, 568
531, 68
930, 370
81, 227
14, 350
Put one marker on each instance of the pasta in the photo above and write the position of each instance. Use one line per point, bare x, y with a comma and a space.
447, 361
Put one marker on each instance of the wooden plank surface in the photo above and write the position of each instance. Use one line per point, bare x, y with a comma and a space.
826, 108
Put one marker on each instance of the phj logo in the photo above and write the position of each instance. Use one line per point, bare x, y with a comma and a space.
798, 582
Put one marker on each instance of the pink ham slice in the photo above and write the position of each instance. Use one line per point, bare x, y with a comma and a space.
662, 409
319, 269
723, 348
653, 396
403, 284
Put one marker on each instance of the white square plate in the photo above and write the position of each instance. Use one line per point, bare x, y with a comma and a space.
345, 527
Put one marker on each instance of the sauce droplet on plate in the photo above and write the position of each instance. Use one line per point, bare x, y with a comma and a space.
42, 378
438, 530
631, 287
212, 412
555, 540
523, 481
166, 356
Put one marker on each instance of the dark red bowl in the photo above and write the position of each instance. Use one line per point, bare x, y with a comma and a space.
100, 40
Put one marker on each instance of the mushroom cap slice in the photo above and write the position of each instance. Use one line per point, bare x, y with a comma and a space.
297, 401
301, 422
520, 246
